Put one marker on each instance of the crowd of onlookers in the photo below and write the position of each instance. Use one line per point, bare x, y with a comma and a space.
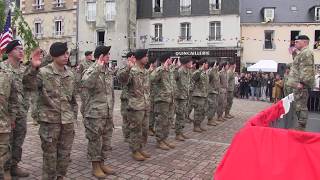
259, 86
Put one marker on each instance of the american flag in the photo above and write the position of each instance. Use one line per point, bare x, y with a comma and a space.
6, 35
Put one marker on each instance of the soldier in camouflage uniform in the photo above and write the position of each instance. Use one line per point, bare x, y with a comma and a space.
183, 82
98, 111
173, 72
8, 106
15, 56
57, 110
153, 89
222, 98
214, 85
124, 99
84, 65
286, 88
200, 94
230, 90
137, 80
301, 79
163, 101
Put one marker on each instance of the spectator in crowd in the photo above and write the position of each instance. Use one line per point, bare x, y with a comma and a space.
277, 89
258, 88
237, 85
253, 83
270, 82
247, 86
242, 85
264, 81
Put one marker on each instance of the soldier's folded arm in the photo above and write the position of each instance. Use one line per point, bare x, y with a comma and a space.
91, 75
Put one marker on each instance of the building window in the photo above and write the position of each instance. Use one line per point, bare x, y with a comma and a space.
38, 5
157, 33
37, 29
269, 39
293, 8
316, 39
293, 36
185, 6
215, 5
59, 3
58, 27
215, 31
91, 11
157, 6
268, 14
100, 37
185, 34
110, 10
317, 13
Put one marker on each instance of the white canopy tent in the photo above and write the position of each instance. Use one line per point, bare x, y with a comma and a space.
264, 66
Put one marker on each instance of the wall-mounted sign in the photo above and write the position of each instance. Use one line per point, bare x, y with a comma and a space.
192, 53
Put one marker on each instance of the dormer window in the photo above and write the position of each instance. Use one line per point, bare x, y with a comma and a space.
268, 14
317, 14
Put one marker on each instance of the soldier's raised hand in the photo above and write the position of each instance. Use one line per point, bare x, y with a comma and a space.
166, 64
101, 61
130, 63
36, 56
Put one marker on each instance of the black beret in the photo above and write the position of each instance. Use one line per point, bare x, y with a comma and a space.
101, 50
141, 53
11, 45
58, 48
129, 54
303, 37
87, 53
185, 60
164, 57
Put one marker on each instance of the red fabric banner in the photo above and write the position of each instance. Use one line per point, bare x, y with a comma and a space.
259, 152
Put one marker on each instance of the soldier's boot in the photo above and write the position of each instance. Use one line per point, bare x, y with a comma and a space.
179, 137
138, 156
59, 178
228, 115
163, 146
197, 129
170, 145
151, 132
17, 171
184, 136
7, 175
202, 128
106, 169
145, 154
220, 119
211, 122
96, 170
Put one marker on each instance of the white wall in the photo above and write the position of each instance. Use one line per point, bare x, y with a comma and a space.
230, 29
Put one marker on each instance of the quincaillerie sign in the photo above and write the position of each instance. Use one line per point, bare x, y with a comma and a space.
192, 53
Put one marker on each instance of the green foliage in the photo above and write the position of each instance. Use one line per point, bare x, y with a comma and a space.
2, 14
24, 31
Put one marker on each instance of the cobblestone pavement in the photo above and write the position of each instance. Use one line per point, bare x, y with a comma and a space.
196, 158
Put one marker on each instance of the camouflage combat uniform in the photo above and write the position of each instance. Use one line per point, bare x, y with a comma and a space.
84, 65
302, 71
137, 80
183, 82
222, 98
57, 113
214, 85
199, 95
230, 90
18, 133
124, 106
98, 111
163, 101
8, 108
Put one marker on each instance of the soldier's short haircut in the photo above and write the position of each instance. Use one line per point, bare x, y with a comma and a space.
201, 62
129, 54
164, 57
185, 59
87, 53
